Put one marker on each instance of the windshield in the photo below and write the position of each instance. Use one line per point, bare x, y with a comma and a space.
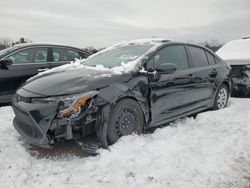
117, 56
7, 50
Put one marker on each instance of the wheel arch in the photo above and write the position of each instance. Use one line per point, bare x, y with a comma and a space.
111, 96
227, 83
117, 92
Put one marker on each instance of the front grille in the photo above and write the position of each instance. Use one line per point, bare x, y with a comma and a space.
25, 128
26, 125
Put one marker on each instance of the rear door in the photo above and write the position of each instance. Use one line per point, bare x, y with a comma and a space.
61, 56
26, 63
204, 73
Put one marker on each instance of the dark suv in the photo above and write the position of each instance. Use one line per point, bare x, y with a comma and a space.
124, 89
20, 62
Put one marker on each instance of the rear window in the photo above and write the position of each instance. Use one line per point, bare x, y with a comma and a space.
198, 57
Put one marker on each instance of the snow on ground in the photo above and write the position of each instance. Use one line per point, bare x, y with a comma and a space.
235, 49
212, 150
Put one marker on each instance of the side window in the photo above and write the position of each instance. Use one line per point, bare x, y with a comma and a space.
198, 57
175, 54
210, 58
62, 54
24, 56
41, 55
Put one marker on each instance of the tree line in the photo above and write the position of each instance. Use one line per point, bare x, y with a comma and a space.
213, 45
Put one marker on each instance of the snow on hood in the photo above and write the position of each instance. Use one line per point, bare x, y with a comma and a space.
123, 68
235, 50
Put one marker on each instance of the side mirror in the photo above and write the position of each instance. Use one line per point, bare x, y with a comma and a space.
166, 68
5, 62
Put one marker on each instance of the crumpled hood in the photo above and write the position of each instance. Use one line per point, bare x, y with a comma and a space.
71, 81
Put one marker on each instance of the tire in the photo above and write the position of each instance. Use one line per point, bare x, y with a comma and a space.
221, 98
125, 118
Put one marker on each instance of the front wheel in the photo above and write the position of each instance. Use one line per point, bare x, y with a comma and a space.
125, 118
221, 97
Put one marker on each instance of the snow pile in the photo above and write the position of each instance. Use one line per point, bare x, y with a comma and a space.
211, 151
124, 68
235, 50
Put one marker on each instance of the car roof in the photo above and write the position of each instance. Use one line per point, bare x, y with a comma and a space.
18, 47
44, 44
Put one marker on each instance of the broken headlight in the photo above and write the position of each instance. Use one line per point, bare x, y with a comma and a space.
68, 106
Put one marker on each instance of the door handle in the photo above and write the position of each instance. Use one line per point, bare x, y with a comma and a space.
43, 69
213, 73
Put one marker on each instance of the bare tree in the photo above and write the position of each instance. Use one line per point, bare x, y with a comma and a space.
21, 41
91, 49
5, 43
213, 45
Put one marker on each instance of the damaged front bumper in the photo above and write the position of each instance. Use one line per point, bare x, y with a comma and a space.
33, 121
42, 125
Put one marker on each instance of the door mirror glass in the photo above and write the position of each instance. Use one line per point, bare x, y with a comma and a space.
166, 68
6, 62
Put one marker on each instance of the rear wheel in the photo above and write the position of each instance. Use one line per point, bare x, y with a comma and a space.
221, 97
126, 118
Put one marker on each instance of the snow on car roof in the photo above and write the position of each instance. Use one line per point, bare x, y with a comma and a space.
144, 41
235, 50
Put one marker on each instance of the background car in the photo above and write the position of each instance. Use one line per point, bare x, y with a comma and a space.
237, 54
20, 62
122, 90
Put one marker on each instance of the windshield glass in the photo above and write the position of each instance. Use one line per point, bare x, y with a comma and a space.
117, 56
7, 50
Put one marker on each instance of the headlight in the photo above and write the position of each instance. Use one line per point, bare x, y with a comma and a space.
68, 105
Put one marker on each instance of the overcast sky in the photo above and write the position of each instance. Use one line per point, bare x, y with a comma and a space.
100, 23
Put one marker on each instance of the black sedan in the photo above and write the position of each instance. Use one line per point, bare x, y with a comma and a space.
124, 89
20, 62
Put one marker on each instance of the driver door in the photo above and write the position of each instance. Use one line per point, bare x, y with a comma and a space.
170, 93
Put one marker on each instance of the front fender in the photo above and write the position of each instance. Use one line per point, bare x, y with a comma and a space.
140, 91
111, 95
